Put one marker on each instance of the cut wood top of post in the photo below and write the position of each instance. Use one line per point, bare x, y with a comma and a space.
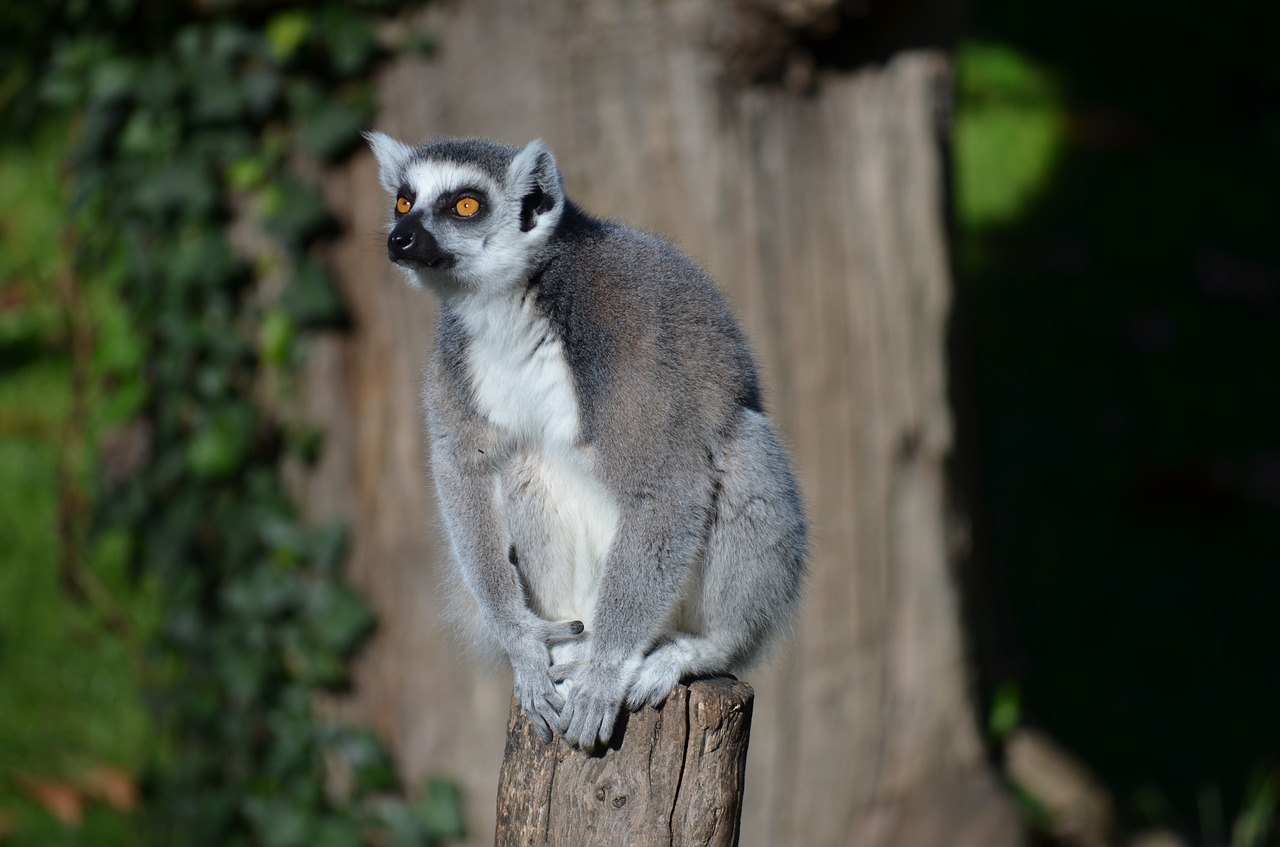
672, 776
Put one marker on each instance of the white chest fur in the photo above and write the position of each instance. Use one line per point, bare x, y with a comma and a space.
557, 513
519, 376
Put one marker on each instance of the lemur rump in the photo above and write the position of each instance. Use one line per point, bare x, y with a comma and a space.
618, 506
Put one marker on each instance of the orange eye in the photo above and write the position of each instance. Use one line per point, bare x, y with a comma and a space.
467, 206
403, 204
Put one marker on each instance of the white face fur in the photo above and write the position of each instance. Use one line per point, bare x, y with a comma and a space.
474, 218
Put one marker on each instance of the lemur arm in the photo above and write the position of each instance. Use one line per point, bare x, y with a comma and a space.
661, 530
464, 473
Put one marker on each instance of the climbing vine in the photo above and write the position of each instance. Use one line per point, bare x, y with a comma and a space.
193, 122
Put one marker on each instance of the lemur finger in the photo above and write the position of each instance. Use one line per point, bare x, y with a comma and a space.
589, 725
540, 726
564, 670
562, 631
607, 720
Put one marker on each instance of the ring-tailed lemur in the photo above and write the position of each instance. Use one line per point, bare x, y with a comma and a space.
617, 503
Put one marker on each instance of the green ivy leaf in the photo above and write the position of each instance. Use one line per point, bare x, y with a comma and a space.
329, 546
309, 663
201, 260
333, 129
217, 97
284, 536
312, 298
113, 79
287, 31
275, 337
1006, 710
244, 674
261, 595
278, 824
339, 832
403, 829
221, 443
441, 810
368, 761
338, 617
245, 173
185, 188
352, 42
295, 213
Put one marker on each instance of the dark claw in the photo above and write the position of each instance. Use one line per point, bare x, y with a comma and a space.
563, 631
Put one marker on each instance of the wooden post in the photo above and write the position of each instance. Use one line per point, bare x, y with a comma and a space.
673, 777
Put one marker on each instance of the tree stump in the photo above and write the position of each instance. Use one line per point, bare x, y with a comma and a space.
673, 776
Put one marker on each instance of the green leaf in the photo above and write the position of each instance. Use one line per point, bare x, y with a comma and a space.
1258, 810
261, 87
246, 172
217, 97
310, 665
278, 824
201, 260
221, 443
312, 298
275, 337
1008, 133
283, 536
339, 832
334, 129
1006, 710
295, 213
403, 829
329, 546
367, 759
184, 187
113, 79
261, 595
244, 673
338, 617
351, 41
441, 810
287, 32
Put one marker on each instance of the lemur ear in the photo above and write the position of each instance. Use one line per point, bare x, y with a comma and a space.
392, 157
535, 178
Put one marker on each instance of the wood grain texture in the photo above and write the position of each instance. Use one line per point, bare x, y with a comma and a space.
672, 778
822, 217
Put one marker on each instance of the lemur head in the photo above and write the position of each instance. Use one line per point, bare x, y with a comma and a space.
471, 216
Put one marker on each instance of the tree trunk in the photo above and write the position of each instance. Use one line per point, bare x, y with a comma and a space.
819, 206
675, 779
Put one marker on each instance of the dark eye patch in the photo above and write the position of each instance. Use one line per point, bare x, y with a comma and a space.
447, 204
405, 195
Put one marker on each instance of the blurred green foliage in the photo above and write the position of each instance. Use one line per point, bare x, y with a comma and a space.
187, 120
1008, 135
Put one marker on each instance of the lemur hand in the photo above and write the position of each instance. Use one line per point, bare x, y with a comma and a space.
531, 663
592, 704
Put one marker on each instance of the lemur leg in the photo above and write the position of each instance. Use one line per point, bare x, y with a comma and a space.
751, 570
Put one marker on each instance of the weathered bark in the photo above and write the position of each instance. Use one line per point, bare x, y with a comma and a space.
822, 215
674, 779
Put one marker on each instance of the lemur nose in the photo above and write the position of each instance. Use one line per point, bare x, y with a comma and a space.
400, 241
